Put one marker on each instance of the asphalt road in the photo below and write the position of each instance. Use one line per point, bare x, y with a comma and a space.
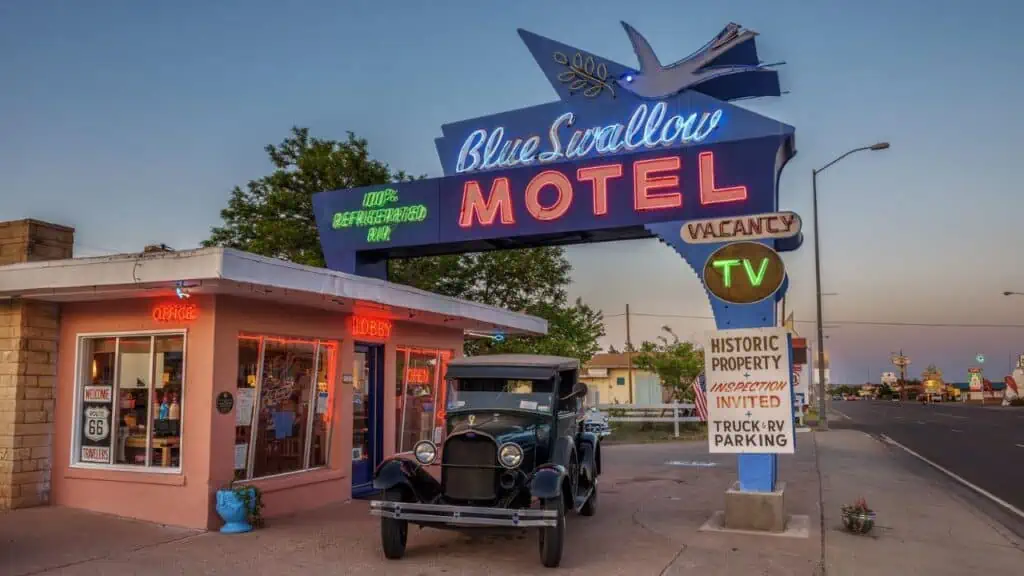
983, 445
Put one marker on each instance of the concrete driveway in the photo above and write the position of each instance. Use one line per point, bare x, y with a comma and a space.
648, 521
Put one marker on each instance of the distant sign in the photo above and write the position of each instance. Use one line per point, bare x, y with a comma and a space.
750, 399
744, 272
774, 225
1020, 361
976, 382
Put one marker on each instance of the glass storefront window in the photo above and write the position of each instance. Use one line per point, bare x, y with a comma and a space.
284, 401
420, 397
129, 400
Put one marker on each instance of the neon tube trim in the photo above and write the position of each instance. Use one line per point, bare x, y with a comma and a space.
647, 128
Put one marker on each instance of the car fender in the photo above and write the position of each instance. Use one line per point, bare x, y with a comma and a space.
590, 450
400, 472
546, 481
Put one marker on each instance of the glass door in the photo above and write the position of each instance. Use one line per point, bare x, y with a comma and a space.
367, 416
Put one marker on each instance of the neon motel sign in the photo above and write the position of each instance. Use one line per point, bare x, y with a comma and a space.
646, 129
656, 186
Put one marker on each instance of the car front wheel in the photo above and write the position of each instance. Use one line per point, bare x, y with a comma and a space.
590, 507
552, 538
393, 533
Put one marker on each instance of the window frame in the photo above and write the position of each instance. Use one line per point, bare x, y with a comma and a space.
443, 357
317, 341
80, 369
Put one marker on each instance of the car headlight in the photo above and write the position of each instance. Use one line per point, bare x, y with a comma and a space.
510, 455
424, 451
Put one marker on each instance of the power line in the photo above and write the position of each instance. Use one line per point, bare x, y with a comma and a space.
843, 322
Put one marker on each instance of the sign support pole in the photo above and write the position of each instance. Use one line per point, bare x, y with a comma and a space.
757, 472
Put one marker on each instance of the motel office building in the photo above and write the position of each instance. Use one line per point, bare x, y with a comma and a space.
140, 384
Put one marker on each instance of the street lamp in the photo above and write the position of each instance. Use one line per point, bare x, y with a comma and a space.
822, 407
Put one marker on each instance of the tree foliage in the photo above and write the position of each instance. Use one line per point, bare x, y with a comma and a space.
273, 216
676, 362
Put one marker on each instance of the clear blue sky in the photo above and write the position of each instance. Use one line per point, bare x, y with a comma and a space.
132, 121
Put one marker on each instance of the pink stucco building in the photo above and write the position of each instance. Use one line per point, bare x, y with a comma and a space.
139, 384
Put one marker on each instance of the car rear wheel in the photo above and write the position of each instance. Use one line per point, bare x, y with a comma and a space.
552, 538
393, 533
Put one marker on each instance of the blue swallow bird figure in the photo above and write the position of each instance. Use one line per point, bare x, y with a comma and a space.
655, 81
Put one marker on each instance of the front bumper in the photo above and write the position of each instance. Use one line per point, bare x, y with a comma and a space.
464, 515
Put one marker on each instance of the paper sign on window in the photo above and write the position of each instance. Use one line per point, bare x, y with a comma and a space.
243, 406
241, 454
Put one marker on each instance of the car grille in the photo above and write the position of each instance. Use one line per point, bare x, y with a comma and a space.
469, 468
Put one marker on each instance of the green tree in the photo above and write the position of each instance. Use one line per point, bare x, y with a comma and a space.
273, 216
676, 362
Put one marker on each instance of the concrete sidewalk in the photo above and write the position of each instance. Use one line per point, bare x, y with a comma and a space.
923, 527
654, 500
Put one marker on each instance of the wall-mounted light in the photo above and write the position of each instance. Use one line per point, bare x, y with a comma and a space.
182, 291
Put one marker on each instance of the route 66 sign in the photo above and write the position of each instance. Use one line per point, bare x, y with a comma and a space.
97, 423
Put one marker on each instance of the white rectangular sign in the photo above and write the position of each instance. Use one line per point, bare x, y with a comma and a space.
749, 395
102, 394
753, 227
100, 454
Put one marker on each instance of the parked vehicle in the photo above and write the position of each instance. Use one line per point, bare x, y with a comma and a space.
516, 455
597, 423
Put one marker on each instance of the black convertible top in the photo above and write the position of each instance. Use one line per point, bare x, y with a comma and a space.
511, 366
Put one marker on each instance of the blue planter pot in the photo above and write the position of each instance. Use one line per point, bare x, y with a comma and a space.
233, 511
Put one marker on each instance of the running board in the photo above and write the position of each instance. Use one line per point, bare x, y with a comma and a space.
582, 500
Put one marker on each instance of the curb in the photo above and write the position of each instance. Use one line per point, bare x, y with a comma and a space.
979, 490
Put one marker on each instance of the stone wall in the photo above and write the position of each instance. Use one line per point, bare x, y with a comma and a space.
28, 368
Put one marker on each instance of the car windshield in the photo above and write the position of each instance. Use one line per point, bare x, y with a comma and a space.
500, 393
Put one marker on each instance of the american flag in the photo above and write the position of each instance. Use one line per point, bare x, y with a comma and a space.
700, 398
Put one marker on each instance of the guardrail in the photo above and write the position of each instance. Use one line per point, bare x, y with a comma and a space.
675, 413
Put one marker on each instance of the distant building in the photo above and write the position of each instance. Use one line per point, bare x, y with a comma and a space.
607, 377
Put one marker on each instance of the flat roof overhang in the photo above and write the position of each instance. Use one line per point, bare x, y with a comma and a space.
232, 272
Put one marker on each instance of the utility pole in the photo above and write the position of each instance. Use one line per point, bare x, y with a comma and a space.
629, 357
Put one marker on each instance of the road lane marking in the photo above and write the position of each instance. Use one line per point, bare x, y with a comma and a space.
955, 430
1020, 445
996, 499
841, 414
951, 415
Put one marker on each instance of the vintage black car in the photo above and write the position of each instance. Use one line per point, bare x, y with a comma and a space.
515, 455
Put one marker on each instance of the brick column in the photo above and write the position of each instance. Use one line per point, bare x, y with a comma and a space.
28, 368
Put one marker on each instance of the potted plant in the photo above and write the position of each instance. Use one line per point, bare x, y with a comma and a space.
858, 518
240, 507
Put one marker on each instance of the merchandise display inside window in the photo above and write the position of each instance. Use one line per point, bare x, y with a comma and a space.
130, 400
283, 405
420, 398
